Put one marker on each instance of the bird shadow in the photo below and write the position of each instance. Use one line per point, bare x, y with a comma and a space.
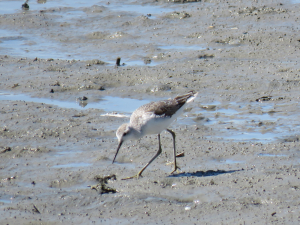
207, 173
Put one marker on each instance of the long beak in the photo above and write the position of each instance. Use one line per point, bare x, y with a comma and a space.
119, 146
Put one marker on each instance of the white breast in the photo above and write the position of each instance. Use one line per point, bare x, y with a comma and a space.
153, 124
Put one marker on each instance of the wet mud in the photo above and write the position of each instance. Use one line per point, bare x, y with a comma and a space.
62, 98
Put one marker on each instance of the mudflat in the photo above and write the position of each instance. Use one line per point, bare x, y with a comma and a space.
62, 99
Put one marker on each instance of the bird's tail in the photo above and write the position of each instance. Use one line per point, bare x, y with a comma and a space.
190, 96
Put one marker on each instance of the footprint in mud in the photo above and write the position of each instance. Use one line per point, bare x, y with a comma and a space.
102, 187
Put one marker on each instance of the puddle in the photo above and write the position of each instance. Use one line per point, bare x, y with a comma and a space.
122, 104
139, 9
230, 161
107, 103
253, 136
254, 121
39, 43
9, 7
141, 63
231, 122
22, 44
72, 165
182, 47
155, 199
6, 201
25, 45
295, 1
271, 155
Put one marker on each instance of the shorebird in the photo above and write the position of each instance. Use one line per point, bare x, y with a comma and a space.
153, 118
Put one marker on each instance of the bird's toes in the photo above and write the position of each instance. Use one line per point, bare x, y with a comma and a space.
137, 176
175, 169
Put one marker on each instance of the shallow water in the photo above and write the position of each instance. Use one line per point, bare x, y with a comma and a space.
22, 43
73, 165
263, 122
227, 165
252, 136
182, 47
233, 120
107, 103
9, 7
6, 200
271, 155
230, 161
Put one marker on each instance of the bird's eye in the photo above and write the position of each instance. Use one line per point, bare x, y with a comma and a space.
124, 134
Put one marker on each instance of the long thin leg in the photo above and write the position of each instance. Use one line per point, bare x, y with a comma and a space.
142, 170
174, 146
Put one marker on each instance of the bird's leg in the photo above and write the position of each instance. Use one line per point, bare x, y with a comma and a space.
142, 170
174, 146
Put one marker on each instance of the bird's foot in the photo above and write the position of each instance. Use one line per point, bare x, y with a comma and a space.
137, 176
175, 169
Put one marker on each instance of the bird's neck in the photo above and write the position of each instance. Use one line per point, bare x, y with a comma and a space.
135, 133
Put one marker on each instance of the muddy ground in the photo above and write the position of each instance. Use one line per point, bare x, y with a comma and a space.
241, 156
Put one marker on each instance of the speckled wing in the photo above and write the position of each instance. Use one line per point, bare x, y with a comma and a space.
168, 107
160, 113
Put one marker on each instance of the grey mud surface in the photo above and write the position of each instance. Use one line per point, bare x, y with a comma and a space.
241, 157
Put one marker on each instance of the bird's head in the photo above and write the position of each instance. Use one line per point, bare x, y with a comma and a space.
124, 133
